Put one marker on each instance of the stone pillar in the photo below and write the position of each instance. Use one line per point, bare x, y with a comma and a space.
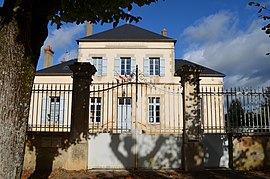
82, 78
192, 151
76, 156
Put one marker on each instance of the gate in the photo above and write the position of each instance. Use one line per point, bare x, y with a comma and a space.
135, 124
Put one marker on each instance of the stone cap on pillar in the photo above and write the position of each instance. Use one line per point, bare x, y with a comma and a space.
82, 69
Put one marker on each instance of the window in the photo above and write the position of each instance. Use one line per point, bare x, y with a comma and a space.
100, 64
53, 109
154, 110
95, 109
125, 65
154, 66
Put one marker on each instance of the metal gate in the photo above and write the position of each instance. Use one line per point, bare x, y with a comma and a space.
135, 124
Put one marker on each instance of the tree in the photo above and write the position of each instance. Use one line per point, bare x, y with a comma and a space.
23, 29
262, 14
235, 115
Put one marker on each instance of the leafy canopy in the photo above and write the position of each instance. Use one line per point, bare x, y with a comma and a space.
264, 14
103, 11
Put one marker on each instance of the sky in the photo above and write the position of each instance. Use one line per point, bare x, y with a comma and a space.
224, 35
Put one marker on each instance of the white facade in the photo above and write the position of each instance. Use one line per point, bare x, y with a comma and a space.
159, 105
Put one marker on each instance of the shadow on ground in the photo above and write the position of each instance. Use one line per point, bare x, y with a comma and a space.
128, 174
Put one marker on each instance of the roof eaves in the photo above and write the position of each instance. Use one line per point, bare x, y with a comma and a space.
53, 74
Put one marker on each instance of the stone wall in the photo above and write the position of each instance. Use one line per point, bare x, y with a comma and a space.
48, 152
251, 152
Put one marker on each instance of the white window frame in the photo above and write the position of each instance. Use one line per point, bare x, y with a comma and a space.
94, 112
154, 110
154, 66
125, 68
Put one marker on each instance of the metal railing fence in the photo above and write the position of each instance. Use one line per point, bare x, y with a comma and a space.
153, 108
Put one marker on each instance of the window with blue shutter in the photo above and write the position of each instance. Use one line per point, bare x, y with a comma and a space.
154, 66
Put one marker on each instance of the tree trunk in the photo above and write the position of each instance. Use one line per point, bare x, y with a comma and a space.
16, 78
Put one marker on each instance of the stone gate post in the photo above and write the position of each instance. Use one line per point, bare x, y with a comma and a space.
82, 78
77, 153
192, 149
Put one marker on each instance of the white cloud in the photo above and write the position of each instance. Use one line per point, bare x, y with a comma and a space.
212, 28
64, 37
241, 55
62, 40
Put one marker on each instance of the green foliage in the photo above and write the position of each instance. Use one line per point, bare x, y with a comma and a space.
78, 11
103, 11
264, 14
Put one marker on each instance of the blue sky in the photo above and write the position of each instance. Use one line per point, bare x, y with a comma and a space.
224, 35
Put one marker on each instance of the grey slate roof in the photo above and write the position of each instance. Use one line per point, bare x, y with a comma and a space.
127, 33
206, 72
62, 69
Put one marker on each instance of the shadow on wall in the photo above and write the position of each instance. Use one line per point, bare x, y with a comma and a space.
153, 152
45, 148
251, 152
216, 151
124, 151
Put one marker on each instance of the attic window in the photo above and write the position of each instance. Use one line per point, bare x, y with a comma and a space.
66, 67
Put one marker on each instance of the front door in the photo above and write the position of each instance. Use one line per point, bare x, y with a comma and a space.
124, 114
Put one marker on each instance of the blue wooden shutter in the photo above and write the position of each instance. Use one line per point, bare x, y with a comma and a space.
62, 110
162, 67
44, 109
98, 66
90, 60
146, 67
117, 64
133, 66
104, 67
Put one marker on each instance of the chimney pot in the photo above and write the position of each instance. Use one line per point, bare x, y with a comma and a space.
63, 60
164, 32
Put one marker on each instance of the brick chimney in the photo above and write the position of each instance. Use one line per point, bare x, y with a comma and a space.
89, 28
48, 57
164, 32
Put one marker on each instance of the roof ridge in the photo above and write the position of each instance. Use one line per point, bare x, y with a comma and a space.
127, 32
